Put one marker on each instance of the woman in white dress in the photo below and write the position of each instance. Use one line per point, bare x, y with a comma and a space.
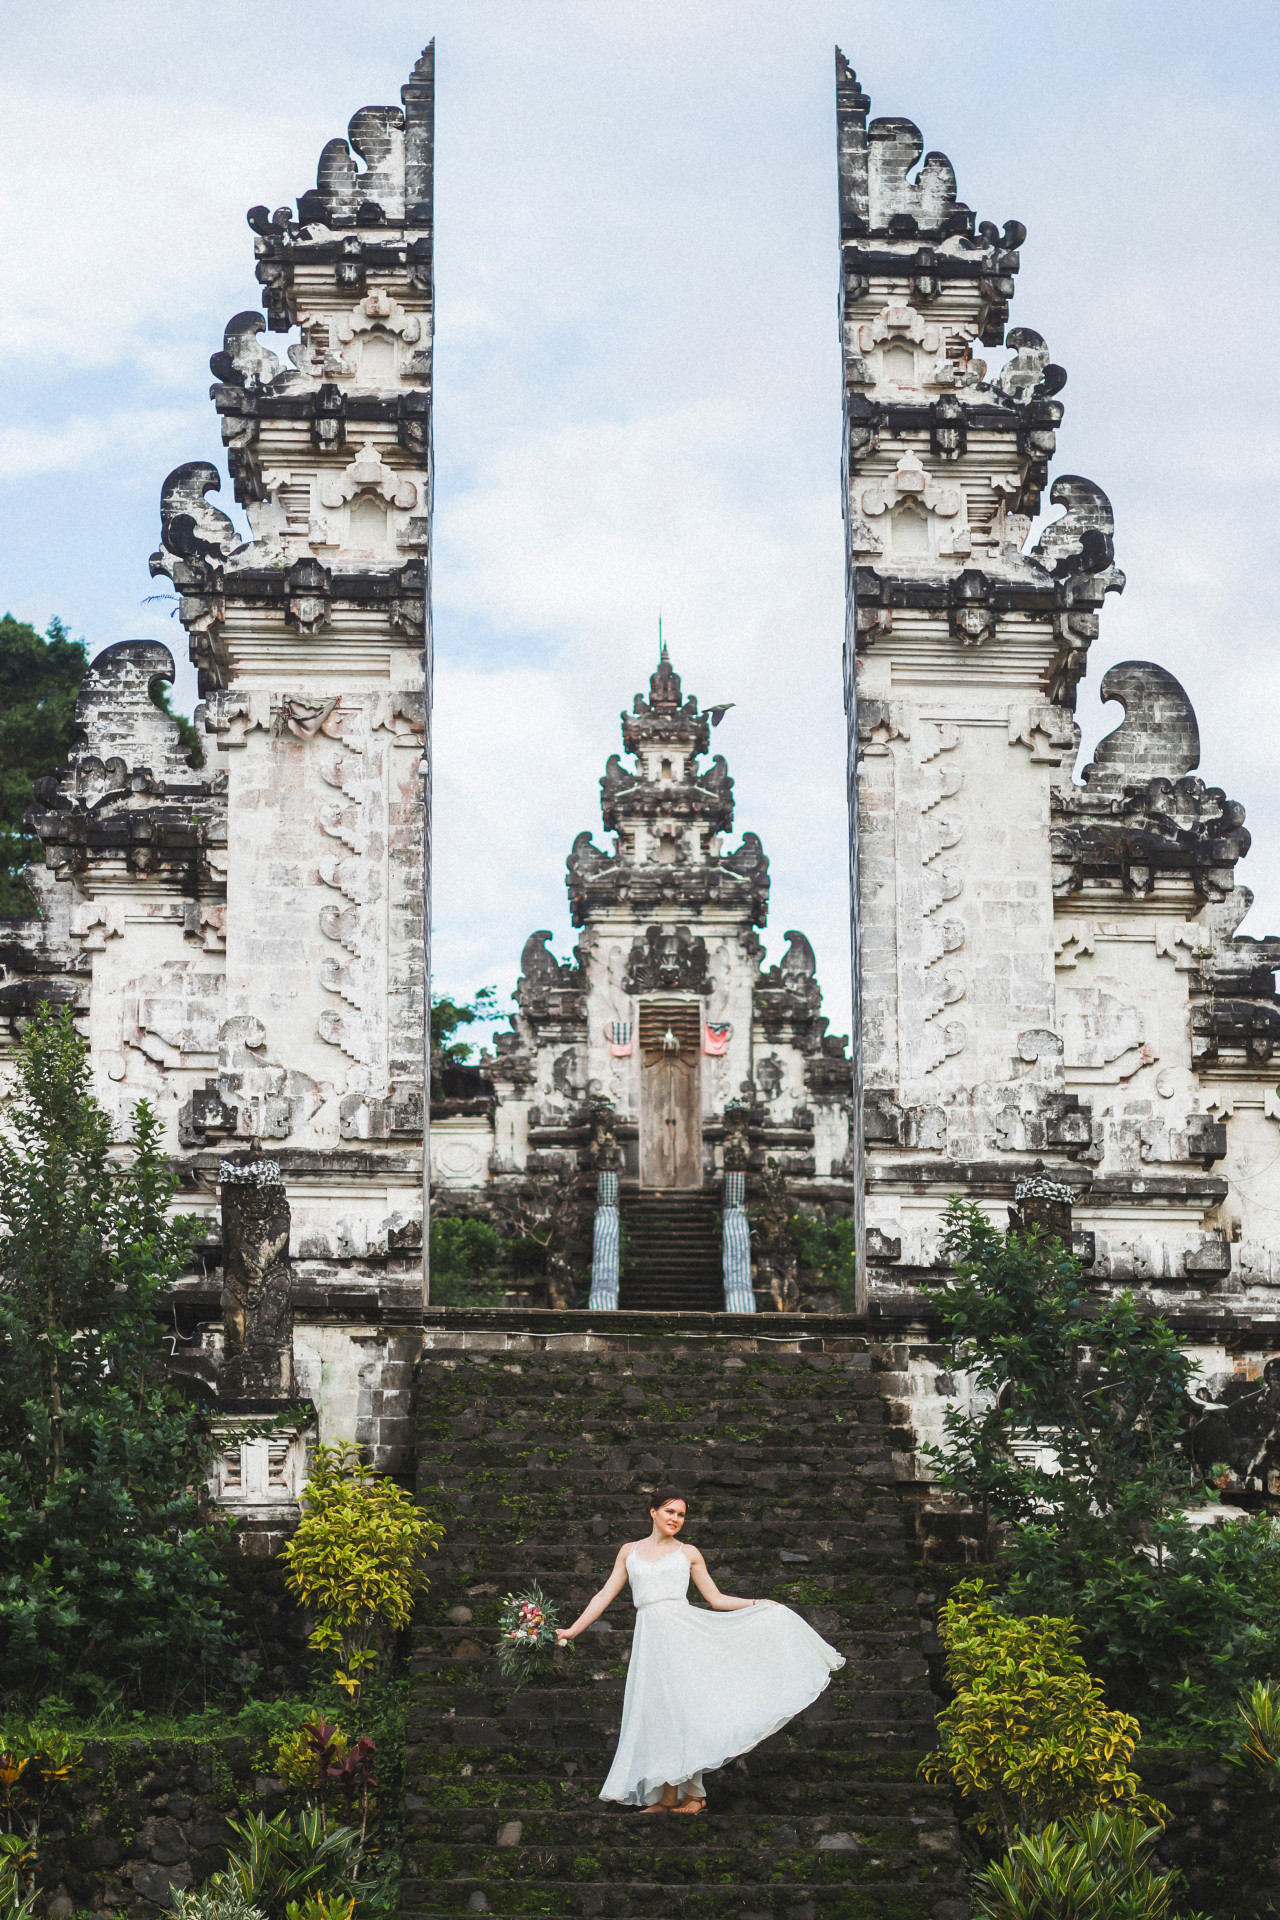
701, 1687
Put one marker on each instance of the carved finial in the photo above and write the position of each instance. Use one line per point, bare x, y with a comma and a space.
1158, 739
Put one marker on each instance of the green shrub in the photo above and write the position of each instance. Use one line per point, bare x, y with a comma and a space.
287, 1860
826, 1250
1027, 1739
304, 1755
465, 1255
37, 1775
18, 1861
1258, 1734
225, 1902
354, 1559
1105, 1387
1098, 1869
1175, 1629
108, 1547
320, 1906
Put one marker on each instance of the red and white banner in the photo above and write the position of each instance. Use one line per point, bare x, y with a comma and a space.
715, 1036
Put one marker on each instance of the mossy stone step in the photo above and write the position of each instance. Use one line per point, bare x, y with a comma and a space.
847, 1857
926, 1893
891, 1823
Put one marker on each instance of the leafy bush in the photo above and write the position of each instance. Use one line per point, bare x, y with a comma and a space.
827, 1254
318, 1761
225, 1902
355, 1559
304, 1755
287, 1861
1099, 1869
18, 1894
1027, 1738
464, 1256
321, 1906
37, 1772
1175, 1629
108, 1548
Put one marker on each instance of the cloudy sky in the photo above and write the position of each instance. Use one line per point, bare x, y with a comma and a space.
637, 364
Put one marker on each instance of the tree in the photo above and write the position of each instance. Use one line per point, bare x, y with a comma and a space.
39, 683
1103, 1387
188, 738
447, 1015
465, 1257
107, 1547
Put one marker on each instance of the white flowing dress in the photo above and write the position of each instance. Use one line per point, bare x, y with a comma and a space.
702, 1686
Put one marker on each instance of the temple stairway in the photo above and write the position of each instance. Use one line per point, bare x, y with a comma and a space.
539, 1437
672, 1257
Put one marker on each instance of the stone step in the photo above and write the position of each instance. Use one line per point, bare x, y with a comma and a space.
758, 1790
813, 1782
672, 1257
893, 1721
895, 1859
856, 1891
896, 1820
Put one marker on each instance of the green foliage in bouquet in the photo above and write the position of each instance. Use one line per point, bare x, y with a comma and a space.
528, 1626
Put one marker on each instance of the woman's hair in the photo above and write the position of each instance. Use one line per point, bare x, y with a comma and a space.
661, 1497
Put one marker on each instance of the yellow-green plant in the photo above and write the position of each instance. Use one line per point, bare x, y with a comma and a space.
355, 1559
34, 1767
302, 1759
1259, 1712
1027, 1739
1096, 1869
17, 1871
224, 1902
321, 1906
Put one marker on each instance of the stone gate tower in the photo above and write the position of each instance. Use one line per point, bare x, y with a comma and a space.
247, 938
1051, 987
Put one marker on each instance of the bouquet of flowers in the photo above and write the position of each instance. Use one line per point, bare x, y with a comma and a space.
527, 1625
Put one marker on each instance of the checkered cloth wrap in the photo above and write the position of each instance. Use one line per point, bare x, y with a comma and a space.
738, 1297
604, 1246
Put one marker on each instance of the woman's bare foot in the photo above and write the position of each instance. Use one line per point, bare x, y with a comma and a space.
667, 1804
690, 1806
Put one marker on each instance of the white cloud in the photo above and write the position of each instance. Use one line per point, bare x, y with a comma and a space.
637, 366
127, 440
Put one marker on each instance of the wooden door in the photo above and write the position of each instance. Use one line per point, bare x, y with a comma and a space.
670, 1094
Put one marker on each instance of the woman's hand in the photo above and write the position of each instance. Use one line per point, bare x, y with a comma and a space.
563, 1636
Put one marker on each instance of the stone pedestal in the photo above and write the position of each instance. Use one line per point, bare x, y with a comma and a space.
1045, 1204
